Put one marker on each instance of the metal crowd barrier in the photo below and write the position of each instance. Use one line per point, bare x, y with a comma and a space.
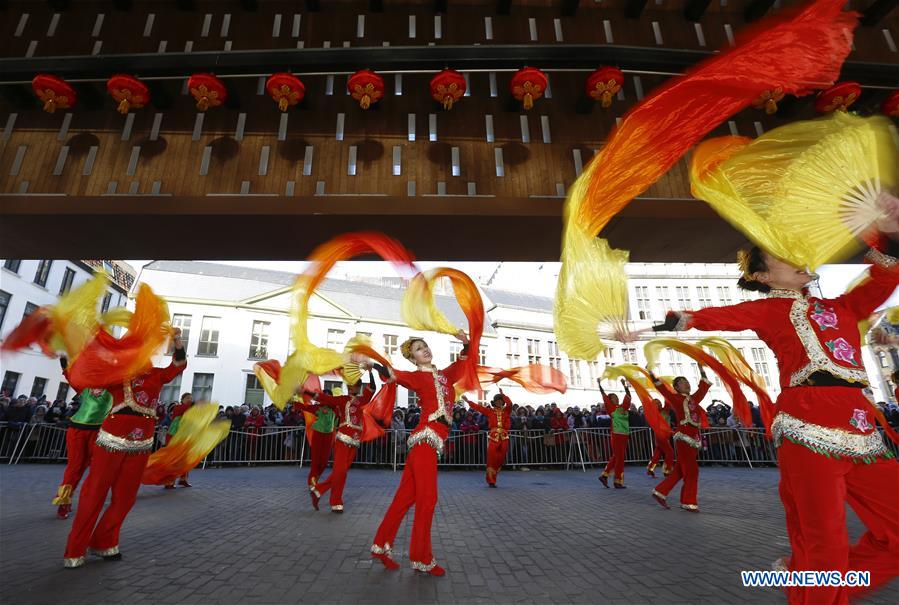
532, 448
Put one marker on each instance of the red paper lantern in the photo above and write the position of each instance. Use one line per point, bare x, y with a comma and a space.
286, 89
55, 93
208, 90
128, 92
838, 97
768, 100
366, 86
604, 83
447, 87
528, 85
890, 105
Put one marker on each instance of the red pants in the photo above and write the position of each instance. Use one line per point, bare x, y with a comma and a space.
418, 487
119, 472
616, 462
78, 449
686, 469
663, 449
343, 459
814, 490
321, 452
496, 457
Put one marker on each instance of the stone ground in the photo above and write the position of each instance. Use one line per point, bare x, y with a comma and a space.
249, 535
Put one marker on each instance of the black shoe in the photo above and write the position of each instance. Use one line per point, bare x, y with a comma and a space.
604, 480
491, 484
620, 486
115, 557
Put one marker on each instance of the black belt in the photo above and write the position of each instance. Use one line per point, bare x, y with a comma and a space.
443, 421
826, 379
126, 411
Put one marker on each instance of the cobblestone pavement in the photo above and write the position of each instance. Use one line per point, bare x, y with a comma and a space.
249, 535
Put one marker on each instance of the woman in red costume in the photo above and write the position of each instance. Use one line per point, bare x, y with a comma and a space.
829, 451
118, 459
500, 419
349, 414
418, 485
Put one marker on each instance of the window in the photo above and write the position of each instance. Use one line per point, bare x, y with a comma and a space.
533, 351
704, 296
29, 309
5, 297
67, 280
574, 371
677, 366
513, 357
202, 389
62, 393
107, 300
10, 382
259, 340
43, 272
455, 349
390, 344
172, 391
629, 354
760, 362
594, 373
330, 385
38, 387
254, 394
664, 299
724, 295
683, 298
411, 399
482, 355
882, 357
183, 322
12, 265
209, 337
643, 302
745, 295
336, 339
364, 335
552, 351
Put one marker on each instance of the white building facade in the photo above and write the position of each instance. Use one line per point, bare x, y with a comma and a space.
26, 285
233, 317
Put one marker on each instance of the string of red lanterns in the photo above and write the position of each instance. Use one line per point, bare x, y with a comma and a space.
447, 87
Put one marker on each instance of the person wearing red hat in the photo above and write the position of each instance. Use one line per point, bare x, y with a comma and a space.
499, 417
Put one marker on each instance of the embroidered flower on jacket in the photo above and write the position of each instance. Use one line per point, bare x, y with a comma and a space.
825, 318
842, 350
142, 398
860, 420
136, 435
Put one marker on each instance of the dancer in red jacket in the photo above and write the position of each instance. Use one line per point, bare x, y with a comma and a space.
500, 418
418, 485
320, 443
118, 459
690, 417
349, 413
829, 451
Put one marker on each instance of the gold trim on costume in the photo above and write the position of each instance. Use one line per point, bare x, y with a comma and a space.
106, 552
422, 567
827, 440
113, 443
72, 562
689, 506
129, 402
442, 411
346, 417
694, 443
659, 494
427, 436
879, 258
375, 549
346, 439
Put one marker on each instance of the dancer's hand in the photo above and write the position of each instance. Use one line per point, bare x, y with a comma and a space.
889, 224
462, 336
